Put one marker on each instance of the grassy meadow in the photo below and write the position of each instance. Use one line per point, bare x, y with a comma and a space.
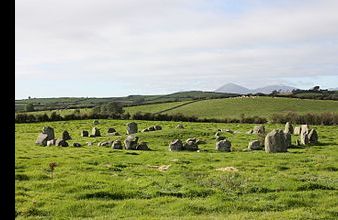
94, 182
235, 107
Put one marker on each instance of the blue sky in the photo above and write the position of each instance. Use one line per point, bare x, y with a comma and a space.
106, 48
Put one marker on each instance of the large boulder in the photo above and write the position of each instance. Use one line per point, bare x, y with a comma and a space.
66, 136
313, 136
117, 144
288, 128
259, 129
131, 142
296, 130
276, 141
84, 133
176, 145
288, 139
255, 145
42, 139
190, 145
131, 128
95, 132
49, 131
60, 142
223, 145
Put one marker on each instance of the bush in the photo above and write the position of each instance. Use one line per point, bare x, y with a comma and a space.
326, 118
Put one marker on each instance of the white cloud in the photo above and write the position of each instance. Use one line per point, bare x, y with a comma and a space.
165, 41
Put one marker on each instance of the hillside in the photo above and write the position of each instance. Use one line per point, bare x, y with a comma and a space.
235, 107
72, 103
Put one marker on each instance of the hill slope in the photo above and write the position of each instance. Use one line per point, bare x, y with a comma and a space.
234, 107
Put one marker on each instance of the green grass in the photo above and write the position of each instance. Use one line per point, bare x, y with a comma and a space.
153, 108
259, 106
101, 183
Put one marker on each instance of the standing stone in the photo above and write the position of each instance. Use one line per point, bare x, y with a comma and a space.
95, 132
111, 130
304, 137
117, 145
255, 145
131, 128
142, 146
288, 139
259, 129
275, 141
223, 145
288, 128
305, 128
131, 142
49, 131
313, 136
296, 130
66, 136
176, 145
42, 139
84, 133
61, 142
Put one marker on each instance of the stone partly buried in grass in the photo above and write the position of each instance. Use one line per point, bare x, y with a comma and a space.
255, 145
131, 143
223, 145
191, 144
60, 142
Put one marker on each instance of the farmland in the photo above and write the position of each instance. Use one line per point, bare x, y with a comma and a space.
94, 182
235, 107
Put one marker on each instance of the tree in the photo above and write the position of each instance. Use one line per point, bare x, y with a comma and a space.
29, 107
316, 88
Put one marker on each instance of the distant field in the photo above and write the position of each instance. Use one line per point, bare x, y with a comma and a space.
234, 107
101, 183
153, 108
61, 112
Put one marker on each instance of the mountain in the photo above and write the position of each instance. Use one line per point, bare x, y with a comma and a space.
269, 89
233, 88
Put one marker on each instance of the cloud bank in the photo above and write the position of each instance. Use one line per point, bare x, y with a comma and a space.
126, 47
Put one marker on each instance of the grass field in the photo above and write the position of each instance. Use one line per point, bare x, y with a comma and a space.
234, 107
101, 183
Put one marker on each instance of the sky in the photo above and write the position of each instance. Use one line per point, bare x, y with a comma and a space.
105, 48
